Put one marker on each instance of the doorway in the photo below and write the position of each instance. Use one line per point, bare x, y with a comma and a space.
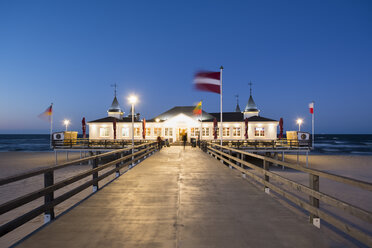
181, 132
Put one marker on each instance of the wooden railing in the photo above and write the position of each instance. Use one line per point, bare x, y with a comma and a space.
81, 143
239, 162
282, 144
120, 158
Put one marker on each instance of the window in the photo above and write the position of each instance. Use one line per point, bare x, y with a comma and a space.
148, 131
157, 131
104, 132
194, 131
168, 131
205, 131
137, 131
226, 131
259, 131
236, 132
125, 131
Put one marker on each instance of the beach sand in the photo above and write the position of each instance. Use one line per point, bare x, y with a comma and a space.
11, 163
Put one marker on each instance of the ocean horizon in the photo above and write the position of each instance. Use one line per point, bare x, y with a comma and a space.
327, 144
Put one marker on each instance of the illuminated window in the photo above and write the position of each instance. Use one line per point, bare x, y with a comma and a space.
168, 131
137, 131
259, 131
194, 131
148, 131
226, 131
104, 132
205, 131
125, 131
236, 132
157, 131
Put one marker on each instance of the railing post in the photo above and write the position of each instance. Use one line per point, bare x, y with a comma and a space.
95, 174
48, 198
230, 160
314, 185
266, 168
117, 156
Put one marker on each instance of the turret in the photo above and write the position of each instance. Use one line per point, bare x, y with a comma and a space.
115, 110
251, 108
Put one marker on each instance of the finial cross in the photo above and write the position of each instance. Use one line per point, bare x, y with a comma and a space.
250, 87
115, 86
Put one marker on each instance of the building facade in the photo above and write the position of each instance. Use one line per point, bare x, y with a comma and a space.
180, 120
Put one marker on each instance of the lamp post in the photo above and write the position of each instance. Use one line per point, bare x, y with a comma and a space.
66, 122
299, 122
132, 100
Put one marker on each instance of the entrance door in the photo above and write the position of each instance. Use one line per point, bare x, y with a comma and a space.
181, 132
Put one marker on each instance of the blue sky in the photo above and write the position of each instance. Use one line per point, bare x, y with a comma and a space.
294, 52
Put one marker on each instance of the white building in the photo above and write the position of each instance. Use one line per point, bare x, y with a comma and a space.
180, 120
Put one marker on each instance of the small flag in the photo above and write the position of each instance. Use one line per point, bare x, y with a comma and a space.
311, 107
208, 81
198, 109
47, 114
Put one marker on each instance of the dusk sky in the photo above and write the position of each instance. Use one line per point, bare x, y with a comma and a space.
294, 52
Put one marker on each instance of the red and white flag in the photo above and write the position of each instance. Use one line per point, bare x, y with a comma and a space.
311, 107
208, 81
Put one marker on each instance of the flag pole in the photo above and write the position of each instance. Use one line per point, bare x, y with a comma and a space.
201, 121
312, 120
51, 126
221, 127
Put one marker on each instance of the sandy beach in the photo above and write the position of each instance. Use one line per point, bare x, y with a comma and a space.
11, 163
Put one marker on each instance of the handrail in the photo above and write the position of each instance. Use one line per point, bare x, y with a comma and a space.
338, 178
50, 168
313, 190
49, 189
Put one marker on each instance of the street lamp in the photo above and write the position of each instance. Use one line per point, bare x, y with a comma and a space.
66, 122
299, 122
132, 100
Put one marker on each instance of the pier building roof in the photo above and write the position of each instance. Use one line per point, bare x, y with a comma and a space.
186, 110
111, 119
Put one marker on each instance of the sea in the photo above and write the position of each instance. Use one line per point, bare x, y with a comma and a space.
346, 144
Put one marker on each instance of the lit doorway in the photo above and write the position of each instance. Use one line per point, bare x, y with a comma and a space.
181, 132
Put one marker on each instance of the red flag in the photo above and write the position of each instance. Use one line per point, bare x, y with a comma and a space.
114, 127
208, 81
246, 128
215, 128
144, 128
84, 127
47, 114
311, 107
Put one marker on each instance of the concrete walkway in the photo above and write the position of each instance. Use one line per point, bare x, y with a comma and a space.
179, 198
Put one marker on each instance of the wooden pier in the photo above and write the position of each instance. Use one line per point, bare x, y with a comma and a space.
185, 198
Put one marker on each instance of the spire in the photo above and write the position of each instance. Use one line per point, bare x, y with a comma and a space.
251, 108
115, 107
237, 109
115, 110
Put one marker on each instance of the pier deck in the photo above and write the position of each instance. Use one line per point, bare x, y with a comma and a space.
180, 198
